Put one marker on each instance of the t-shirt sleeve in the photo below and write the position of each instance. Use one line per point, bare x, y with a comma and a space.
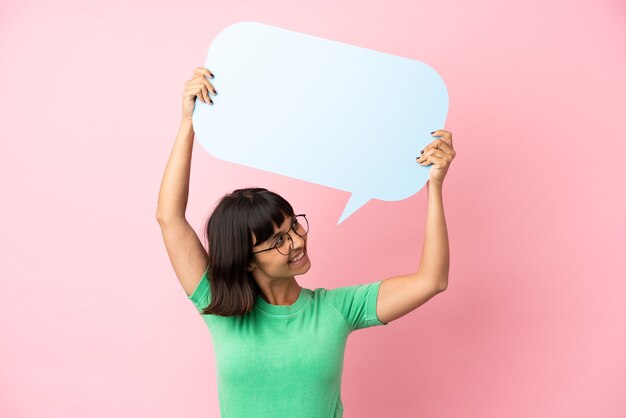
357, 304
202, 295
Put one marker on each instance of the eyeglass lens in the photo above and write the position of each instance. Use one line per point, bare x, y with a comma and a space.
284, 243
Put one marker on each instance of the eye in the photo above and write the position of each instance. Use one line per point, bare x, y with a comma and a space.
279, 240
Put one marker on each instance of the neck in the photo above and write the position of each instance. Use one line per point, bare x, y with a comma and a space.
280, 291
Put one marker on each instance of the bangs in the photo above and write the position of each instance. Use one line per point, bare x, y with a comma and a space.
266, 214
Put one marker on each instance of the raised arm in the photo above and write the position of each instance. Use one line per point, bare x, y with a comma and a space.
400, 295
187, 255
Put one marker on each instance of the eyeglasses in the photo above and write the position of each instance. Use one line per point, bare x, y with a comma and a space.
283, 242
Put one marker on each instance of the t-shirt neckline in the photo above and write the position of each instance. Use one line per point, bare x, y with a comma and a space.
283, 310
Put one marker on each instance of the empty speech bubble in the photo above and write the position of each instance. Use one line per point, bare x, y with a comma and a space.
321, 111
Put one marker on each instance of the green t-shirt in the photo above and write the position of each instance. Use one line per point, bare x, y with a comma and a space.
285, 361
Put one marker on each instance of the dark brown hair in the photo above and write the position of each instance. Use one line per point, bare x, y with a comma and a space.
236, 217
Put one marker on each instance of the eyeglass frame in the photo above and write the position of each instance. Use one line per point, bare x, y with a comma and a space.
274, 246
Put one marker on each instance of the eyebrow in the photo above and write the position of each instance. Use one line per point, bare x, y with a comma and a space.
281, 232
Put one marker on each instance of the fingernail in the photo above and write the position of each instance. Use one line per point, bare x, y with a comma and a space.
432, 132
422, 151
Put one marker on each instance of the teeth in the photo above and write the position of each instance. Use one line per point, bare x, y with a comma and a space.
297, 258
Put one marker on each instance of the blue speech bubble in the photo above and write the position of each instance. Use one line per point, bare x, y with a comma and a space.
321, 111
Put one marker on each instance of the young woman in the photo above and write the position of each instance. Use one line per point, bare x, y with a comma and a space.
279, 347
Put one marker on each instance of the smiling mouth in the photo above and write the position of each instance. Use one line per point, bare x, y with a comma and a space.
298, 257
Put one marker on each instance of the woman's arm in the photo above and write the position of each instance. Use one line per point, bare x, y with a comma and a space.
187, 255
174, 190
399, 295
435, 260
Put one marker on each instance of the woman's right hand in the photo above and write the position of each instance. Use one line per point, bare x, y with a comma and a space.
199, 86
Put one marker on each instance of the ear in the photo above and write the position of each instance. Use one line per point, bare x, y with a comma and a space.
251, 266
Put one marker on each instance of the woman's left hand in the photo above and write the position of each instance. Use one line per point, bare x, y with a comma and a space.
440, 153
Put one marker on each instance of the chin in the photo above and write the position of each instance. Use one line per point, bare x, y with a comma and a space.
305, 268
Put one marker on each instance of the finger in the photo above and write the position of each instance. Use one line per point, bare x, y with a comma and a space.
204, 79
443, 146
191, 91
446, 135
198, 93
436, 160
198, 88
205, 93
425, 159
434, 152
435, 144
427, 153
203, 71
442, 133
209, 85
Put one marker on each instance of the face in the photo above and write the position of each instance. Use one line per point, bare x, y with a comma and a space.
272, 265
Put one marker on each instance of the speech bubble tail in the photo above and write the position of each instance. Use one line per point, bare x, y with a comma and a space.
354, 203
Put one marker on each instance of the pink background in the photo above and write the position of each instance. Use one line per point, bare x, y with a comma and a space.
93, 321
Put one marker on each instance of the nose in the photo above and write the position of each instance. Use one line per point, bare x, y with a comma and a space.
297, 241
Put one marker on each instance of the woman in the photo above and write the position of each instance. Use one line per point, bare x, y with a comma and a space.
279, 347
